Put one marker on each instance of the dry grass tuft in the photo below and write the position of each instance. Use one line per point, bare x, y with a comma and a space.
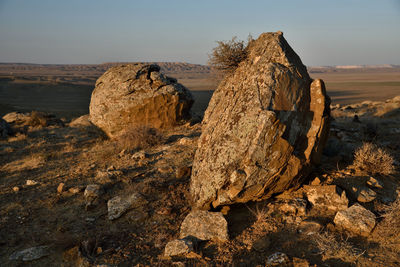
260, 213
139, 137
37, 119
330, 246
388, 230
227, 56
373, 159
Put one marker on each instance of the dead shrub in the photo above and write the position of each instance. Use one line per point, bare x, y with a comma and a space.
388, 230
139, 137
330, 246
37, 119
373, 159
227, 56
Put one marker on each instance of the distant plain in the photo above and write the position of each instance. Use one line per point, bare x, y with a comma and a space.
65, 90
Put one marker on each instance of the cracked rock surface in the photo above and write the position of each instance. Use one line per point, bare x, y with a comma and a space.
138, 94
264, 127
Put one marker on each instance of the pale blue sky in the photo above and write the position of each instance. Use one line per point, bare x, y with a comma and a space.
322, 32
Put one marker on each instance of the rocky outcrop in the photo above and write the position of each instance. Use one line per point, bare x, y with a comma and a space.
134, 94
265, 126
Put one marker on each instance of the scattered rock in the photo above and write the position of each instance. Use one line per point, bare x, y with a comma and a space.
185, 141
374, 183
139, 155
60, 188
296, 207
31, 254
92, 191
278, 259
16, 117
74, 190
316, 181
179, 247
15, 188
119, 205
31, 182
364, 194
5, 129
138, 94
356, 219
205, 225
327, 197
309, 227
256, 127
104, 177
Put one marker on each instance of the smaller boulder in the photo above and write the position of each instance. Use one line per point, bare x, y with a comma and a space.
363, 194
356, 219
205, 225
117, 206
327, 197
179, 247
82, 121
92, 191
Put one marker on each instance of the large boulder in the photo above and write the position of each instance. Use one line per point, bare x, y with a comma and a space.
265, 126
138, 94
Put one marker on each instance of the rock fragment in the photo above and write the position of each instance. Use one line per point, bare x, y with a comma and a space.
179, 247
205, 225
364, 194
278, 259
118, 205
356, 219
373, 182
31, 254
31, 182
327, 197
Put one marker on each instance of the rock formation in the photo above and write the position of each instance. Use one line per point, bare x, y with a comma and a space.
138, 94
265, 126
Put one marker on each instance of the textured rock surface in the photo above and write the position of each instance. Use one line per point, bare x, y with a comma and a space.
356, 219
264, 127
205, 225
137, 94
178, 247
327, 197
117, 206
31, 254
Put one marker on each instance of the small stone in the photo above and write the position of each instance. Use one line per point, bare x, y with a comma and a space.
374, 183
356, 219
15, 188
185, 141
74, 190
92, 191
178, 247
316, 181
139, 155
225, 210
364, 194
117, 206
60, 188
31, 182
278, 259
309, 227
31, 254
205, 225
328, 197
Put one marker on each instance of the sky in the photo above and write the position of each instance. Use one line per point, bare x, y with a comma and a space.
322, 32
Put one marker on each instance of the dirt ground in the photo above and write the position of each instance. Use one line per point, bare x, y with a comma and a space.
78, 233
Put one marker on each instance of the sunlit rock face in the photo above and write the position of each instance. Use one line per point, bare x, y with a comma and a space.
265, 126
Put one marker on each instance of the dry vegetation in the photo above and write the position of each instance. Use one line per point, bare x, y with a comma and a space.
227, 55
373, 159
139, 137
